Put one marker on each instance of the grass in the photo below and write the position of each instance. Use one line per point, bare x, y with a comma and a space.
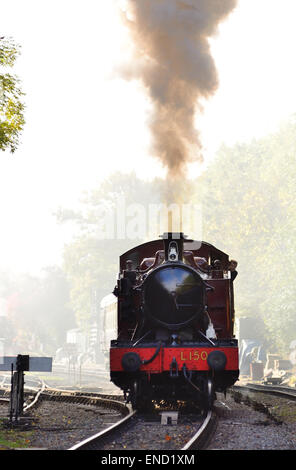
14, 438
285, 412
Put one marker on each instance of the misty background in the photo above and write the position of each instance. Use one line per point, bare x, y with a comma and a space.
87, 140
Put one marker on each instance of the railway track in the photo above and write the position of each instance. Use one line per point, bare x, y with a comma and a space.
192, 432
279, 390
202, 436
36, 390
93, 442
256, 417
279, 405
33, 389
129, 433
120, 434
78, 397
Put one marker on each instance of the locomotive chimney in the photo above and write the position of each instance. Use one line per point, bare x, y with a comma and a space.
173, 246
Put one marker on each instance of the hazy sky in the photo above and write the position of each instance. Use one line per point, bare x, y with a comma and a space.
82, 123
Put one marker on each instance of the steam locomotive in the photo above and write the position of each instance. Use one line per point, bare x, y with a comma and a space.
175, 319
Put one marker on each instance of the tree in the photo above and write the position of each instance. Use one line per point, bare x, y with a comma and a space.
11, 107
90, 263
249, 210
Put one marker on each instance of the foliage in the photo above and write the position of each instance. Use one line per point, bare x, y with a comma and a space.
248, 197
91, 263
13, 439
11, 107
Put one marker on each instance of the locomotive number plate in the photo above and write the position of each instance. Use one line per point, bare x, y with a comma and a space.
196, 358
193, 355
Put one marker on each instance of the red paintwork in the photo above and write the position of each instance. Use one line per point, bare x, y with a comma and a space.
219, 307
147, 250
194, 358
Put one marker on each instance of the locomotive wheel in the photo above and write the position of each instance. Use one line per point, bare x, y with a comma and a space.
138, 400
133, 394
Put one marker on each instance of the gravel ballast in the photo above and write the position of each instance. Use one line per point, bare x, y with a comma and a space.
241, 427
269, 425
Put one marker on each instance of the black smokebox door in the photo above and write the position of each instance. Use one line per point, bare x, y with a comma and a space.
174, 295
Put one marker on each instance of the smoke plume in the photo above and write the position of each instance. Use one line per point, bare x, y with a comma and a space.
173, 60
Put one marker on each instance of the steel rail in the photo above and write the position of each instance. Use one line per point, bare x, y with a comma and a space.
201, 437
27, 390
269, 389
88, 399
89, 442
44, 392
81, 393
37, 396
